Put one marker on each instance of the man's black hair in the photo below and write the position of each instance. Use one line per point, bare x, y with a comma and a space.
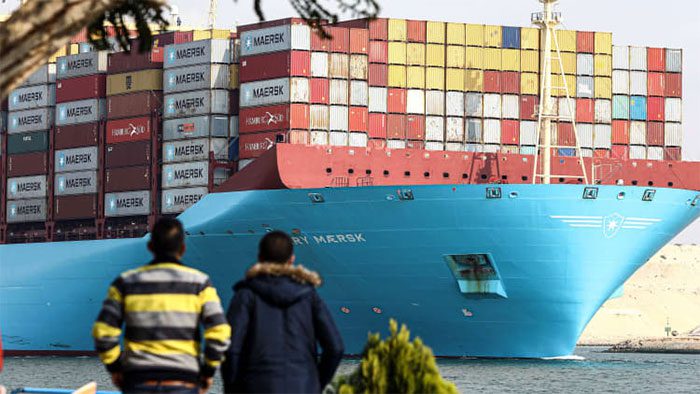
275, 247
167, 237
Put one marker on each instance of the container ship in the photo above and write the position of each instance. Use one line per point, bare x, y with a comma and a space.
490, 186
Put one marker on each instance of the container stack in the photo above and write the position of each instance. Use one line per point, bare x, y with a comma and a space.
196, 122
234, 98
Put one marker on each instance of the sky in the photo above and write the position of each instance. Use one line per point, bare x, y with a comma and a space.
671, 24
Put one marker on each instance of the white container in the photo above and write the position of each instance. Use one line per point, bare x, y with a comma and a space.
492, 148
178, 200
474, 105
655, 153
319, 137
81, 65
434, 128
339, 118
602, 134
584, 64
638, 133
196, 127
274, 39
338, 91
195, 149
32, 97
474, 148
339, 65
492, 106
586, 152
197, 52
200, 102
358, 139
638, 152
454, 104
638, 58
128, 203
319, 64
584, 133
377, 99
674, 60
528, 132
621, 58
74, 183
358, 93
415, 101
24, 211
396, 144
338, 138
43, 76
30, 120
674, 110
233, 127
27, 187
187, 174
510, 106
638, 83
199, 77
243, 163
527, 150
454, 130
621, 82
358, 67
83, 111
318, 117
603, 111
77, 159
274, 91
435, 102
434, 146
474, 130
454, 147
673, 134
564, 111
492, 131
584, 87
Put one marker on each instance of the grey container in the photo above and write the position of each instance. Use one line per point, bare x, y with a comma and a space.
195, 127
26, 187
269, 92
200, 102
34, 141
25, 211
83, 111
204, 76
3, 121
32, 97
78, 159
275, 39
188, 174
197, 52
30, 120
128, 203
72, 183
82, 64
178, 200
195, 150
44, 75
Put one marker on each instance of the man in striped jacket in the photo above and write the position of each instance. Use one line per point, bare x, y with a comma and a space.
162, 306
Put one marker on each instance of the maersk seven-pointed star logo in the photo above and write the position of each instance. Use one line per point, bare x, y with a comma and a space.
170, 152
612, 224
248, 43
171, 54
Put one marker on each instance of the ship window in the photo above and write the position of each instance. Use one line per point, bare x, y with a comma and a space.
590, 193
524, 178
650, 183
580, 180
351, 171
635, 183
445, 174
465, 176
670, 184
561, 180
504, 177
493, 192
648, 195
329, 170
407, 173
426, 174
368, 172
483, 176
386, 172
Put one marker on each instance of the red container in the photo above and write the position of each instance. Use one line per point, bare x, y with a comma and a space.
340, 39
129, 130
300, 137
672, 153
655, 109
656, 59
358, 119
127, 179
566, 135
122, 62
359, 41
275, 65
377, 126
585, 110
182, 37
299, 117
320, 91
378, 29
81, 88
528, 107
510, 82
673, 85
74, 136
419, 145
276, 22
621, 132
81, 37
254, 145
276, 117
585, 42
396, 101
27, 164
83, 206
396, 126
378, 52
620, 152
492, 81
134, 104
602, 153
378, 75
655, 84
510, 132
128, 154
415, 126
318, 43
655, 133
234, 102
415, 31
162, 39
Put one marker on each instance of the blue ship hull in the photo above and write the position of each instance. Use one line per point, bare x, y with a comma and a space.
552, 257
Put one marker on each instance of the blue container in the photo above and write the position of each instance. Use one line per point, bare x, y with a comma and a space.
567, 152
638, 108
233, 149
511, 37
527, 150
621, 107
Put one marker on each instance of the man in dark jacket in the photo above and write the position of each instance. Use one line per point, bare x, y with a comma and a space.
277, 320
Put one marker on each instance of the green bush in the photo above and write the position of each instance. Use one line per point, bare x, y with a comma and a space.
395, 365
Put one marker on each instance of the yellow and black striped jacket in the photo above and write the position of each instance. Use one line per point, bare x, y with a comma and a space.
162, 307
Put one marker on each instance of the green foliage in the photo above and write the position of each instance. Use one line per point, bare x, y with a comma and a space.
395, 365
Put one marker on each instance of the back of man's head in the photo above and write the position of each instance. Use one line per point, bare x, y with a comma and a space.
276, 247
167, 238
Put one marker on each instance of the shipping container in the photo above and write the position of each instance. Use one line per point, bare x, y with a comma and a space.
83, 111
26, 211
129, 130
638, 83
338, 92
338, 138
529, 106
674, 60
638, 133
74, 183
275, 39
32, 97
621, 107
178, 200
81, 88
147, 80
274, 91
474, 80
638, 58
673, 134
638, 152
474, 105
134, 203
510, 106
137, 153
492, 131
655, 109
46, 74
359, 40
357, 122
584, 133
656, 59
76, 159
27, 164
319, 91
201, 102
510, 132
30, 120
318, 137
638, 108
621, 82
124, 179
474, 130
567, 109
603, 111
378, 75
620, 152
276, 65
673, 110
124, 62
81, 64
602, 136
655, 153
338, 118
204, 76
318, 117
279, 117
434, 102
358, 93
415, 127
33, 141
378, 52
254, 145
358, 67
196, 127
584, 87
655, 133
603, 43
454, 104
233, 76
621, 132
396, 100
415, 102
134, 104
435, 128
585, 109
27, 187
655, 82
396, 126
492, 106
585, 64
193, 173
673, 154
198, 52
603, 65
377, 125
621, 58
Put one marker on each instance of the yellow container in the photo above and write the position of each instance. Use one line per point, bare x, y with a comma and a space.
603, 65
60, 53
567, 40
435, 55
456, 34
492, 59
415, 54
474, 81
435, 32
454, 79
74, 49
475, 58
233, 77
530, 83
216, 34
530, 61
136, 81
415, 77
493, 36
603, 88
475, 35
603, 43
558, 85
568, 61
397, 30
435, 78
510, 59
529, 38
397, 76
455, 56
397, 53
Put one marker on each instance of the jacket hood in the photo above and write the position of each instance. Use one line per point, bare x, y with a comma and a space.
278, 284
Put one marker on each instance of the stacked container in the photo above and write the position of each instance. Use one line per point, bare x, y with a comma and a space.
196, 122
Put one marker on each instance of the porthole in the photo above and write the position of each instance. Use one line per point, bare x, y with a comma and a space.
426, 174
407, 173
329, 170
351, 171
386, 173
445, 174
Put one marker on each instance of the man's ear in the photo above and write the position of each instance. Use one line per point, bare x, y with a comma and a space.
292, 259
183, 248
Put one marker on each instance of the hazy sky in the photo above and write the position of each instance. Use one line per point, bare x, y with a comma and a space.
672, 23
